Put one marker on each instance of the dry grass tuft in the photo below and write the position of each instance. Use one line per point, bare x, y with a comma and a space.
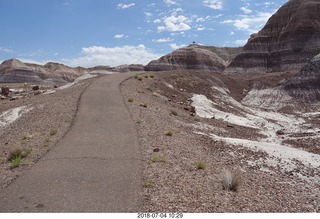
19, 152
174, 113
148, 183
53, 132
230, 181
200, 166
158, 159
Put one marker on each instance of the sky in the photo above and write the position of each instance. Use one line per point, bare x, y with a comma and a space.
114, 32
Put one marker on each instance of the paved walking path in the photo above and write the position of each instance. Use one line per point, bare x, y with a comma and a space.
94, 168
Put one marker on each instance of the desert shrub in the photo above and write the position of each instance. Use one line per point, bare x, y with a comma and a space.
130, 100
158, 159
19, 152
230, 181
148, 182
53, 132
200, 166
169, 133
15, 162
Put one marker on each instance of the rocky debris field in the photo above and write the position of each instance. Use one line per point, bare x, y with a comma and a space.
205, 151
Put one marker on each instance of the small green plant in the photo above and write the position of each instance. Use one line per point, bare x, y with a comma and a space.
53, 132
200, 166
139, 121
136, 76
169, 133
16, 162
140, 78
230, 181
158, 159
130, 100
146, 76
151, 76
148, 182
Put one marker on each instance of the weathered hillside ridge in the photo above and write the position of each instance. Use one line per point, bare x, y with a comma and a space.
15, 71
306, 84
290, 39
195, 57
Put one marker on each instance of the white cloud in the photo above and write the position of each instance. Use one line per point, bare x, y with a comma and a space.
66, 3
170, 2
148, 14
176, 11
214, 4
240, 42
118, 36
162, 40
125, 6
6, 50
201, 28
175, 46
175, 23
231, 33
202, 19
97, 55
246, 10
250, 24
157, 21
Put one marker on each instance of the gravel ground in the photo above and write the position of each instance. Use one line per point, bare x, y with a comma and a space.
172, 180
39, 129
172, 153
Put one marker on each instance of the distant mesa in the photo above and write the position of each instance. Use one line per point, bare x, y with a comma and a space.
290, 39
15, 71
129, 68
207, 58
